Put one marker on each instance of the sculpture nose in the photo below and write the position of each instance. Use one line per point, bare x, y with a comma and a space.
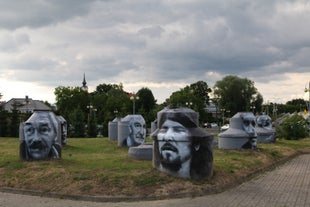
169, 135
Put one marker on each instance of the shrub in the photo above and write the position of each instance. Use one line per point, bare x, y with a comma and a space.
293, 127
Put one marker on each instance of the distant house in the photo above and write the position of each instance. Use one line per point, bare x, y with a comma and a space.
212, 108
24, 105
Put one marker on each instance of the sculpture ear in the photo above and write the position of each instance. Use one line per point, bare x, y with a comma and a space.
130, 130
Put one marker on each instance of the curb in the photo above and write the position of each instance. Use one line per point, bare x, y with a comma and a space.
213, 190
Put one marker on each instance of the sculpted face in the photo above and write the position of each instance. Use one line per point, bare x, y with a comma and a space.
249, 127
174, 145
39, 136
137, 131
264, 121
249, 124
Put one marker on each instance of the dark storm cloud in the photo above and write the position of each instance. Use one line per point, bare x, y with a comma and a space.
153, 41
39, 13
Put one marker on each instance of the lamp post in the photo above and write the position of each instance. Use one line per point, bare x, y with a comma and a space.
189, 104
115, 112
134, 97
275, 110
308, 90
91, 118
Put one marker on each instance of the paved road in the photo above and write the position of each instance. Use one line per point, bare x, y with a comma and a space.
288, 185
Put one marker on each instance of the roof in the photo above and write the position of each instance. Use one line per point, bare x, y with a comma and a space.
25, 105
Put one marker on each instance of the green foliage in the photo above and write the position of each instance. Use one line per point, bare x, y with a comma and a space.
77, 126
92, 124
293, 127
146, 104
3, 123
236, 94
296, 105
194, 96
14, 124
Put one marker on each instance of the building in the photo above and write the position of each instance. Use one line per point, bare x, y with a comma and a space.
24, 105
212, 108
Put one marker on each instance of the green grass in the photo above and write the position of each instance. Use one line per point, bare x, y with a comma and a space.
98, 166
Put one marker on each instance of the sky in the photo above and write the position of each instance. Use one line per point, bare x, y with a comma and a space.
163, 45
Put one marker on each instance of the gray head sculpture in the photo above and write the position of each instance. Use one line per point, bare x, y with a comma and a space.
40, 137
181, 148
264, 130
241, 132
63, 130
131, 131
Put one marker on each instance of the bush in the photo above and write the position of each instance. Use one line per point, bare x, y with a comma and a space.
293, 127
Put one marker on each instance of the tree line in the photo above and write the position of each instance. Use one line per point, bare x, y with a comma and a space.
88, 114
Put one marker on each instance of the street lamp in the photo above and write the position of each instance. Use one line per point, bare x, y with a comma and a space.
91, 118
189, 104
252, 107
134, 97
275, 110
308, 90
116, 112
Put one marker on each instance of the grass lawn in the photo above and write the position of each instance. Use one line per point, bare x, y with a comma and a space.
97, 166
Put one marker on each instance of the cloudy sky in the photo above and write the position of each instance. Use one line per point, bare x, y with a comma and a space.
160, 44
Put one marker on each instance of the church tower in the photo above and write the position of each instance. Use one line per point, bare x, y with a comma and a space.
84, 86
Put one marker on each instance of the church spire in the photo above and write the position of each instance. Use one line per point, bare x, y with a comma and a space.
84, 86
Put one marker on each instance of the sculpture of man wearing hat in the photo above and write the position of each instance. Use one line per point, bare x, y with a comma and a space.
181, 148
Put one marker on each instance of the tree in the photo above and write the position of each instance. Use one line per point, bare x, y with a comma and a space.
92, 123
201, 90
69, 99
146, 104
117, 104
236, 94
14, 124
3, 122
296, 105
195, 96
257, 102
105, 88
77, 126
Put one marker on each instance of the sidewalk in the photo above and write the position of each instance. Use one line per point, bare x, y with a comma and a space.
287, 185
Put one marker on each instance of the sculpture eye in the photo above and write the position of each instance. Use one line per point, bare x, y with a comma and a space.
246, 122
163, 129
29, 130
179, 129
44, 129
137, 125
253, 123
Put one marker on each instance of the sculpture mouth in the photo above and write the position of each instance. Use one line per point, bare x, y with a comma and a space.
37, 146
169, 147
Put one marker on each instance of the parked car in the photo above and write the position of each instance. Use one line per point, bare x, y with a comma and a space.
214, 125
210, 125
224, 127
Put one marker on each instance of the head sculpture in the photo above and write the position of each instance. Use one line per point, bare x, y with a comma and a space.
63, 130
264, 130
132, 131
39, 137
181, 148
137, 131
264, 121
241, 126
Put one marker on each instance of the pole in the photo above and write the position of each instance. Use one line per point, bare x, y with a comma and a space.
134, 105
309, 99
